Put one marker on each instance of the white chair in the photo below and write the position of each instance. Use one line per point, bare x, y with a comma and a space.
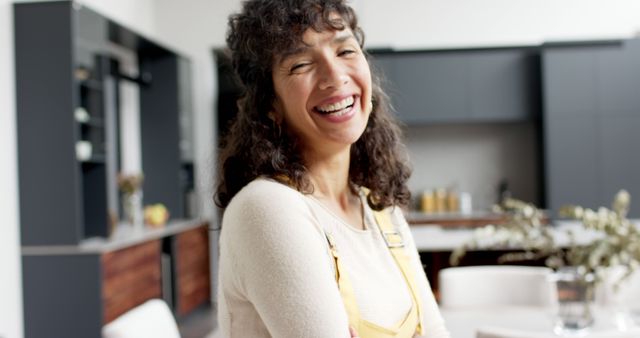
481, 286
152, 319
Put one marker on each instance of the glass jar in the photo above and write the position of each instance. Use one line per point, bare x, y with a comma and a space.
575, 290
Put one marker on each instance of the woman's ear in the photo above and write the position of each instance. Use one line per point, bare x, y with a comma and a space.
275, 114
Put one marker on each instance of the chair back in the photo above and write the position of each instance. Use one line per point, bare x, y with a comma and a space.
480, 286
153, 319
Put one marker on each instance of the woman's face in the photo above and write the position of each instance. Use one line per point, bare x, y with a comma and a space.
323, 91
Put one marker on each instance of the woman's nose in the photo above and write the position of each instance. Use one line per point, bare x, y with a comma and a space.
333, 75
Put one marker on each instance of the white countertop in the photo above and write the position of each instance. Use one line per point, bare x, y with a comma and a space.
124, 236
437, 238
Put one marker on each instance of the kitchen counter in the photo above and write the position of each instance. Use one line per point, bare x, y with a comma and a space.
124, 236
443, 238
454, 219
104, 278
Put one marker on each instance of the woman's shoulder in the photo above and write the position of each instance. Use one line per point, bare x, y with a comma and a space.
265, 202
265, 191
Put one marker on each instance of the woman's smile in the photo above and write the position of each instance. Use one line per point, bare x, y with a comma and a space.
339, 111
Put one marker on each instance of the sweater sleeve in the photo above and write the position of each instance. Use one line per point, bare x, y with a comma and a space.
280, 263
433, 321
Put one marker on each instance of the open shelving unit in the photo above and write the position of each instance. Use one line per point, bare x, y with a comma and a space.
71, 67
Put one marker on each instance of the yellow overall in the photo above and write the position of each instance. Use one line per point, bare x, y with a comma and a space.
409, 326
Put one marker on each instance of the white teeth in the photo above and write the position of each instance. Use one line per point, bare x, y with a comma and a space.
336, 106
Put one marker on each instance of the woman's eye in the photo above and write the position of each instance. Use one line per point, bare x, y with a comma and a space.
346, 52
298, 67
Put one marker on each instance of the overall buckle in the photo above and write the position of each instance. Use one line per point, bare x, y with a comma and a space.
393, 238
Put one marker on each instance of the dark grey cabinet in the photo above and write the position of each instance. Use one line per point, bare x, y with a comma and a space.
160, 134
62, 195
571, 161
431, 87
591, 120
619, 160
487, 85
504, 85
68, 80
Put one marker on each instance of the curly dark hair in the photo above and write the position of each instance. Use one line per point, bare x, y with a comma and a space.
263, 32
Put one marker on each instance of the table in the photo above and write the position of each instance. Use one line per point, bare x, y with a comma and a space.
538, 320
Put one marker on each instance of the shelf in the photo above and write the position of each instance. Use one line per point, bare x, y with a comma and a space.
95, 122
95, 159
91, 84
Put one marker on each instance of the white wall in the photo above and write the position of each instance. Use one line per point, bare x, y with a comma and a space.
475, 158
135, 14
10, 282
442, 23
446, 23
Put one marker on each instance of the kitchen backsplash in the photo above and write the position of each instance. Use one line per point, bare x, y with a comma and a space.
475, 158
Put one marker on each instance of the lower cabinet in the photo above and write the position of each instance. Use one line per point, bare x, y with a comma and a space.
130, 277
191, 270
69, 293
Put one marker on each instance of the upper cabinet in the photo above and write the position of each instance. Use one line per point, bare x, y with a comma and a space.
474, 85
73, 86
591, 117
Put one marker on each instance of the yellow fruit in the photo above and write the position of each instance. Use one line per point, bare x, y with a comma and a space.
156, 214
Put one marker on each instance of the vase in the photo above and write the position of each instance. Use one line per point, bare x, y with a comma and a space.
132, 207
575, 292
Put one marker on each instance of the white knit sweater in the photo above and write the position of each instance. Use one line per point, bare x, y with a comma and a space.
276, 276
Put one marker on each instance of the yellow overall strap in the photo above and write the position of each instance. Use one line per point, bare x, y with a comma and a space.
396, 245
347, 293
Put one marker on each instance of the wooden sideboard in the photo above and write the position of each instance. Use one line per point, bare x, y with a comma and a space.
192, 270
130, 277
72, 291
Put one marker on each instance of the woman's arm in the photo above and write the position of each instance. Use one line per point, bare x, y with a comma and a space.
281, 264
434, 324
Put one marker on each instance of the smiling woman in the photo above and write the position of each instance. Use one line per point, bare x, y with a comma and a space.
313, 243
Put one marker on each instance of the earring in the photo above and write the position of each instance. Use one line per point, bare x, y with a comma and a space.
278, 128
276, 125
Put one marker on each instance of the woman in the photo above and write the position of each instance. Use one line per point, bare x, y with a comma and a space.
312, 243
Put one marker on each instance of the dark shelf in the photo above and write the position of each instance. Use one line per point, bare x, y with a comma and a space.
91, 84
95, 122
96, 159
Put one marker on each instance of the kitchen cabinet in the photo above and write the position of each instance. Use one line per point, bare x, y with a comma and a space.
472, 85
591, 114
167, 156
72, 291
68, 80
77, 274
63, 198
504, 85
571, 162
